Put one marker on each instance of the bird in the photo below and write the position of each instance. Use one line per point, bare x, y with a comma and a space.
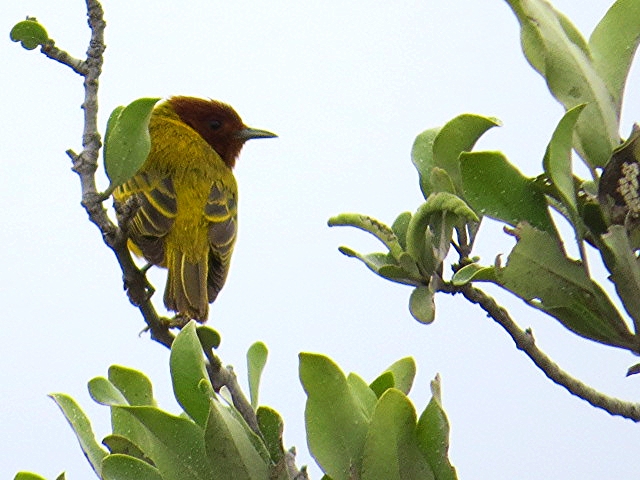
185, 217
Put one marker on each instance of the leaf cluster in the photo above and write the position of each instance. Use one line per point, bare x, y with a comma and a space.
588, 79
371, 431
354, 429
208, 440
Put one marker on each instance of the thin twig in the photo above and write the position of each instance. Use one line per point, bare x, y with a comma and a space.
221, 376
292, 470
524, 341
50, 50
85, 165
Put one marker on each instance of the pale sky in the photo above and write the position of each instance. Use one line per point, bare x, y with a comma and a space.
347, 86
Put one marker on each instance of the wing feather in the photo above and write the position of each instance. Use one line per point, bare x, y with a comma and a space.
222, 214
157, 209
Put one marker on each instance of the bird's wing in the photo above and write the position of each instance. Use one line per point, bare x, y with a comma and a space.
155, 212
222, 214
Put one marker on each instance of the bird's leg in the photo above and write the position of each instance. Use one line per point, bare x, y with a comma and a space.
137, 286
178, 321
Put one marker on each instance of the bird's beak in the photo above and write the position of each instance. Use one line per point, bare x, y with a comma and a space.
249, 133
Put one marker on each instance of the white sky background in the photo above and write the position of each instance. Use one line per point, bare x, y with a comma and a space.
347, 86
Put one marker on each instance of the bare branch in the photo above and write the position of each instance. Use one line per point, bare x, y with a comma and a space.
85, 165
292, 470
50, 50
225, 377
115, 237
524, 341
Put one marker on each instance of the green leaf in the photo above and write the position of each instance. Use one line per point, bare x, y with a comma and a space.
440, 181
408, 267
397, 266
494, 187
474, 272
557, 160
539, 272
29, 33
613, 44
433, 435
376, 228
120, 444
404, 371
123, 467
133, 384
379, 264
229, 447
105, 393
422, 158
443, 202
420, 239
391, 449
27, 476
374, 261
113, 120
188, 371
421, 305
457, 136
556, 49
335, 422
592, 215
272, 427
442, 226
398, 375
625, 270
82, 428
382, 383
127, 142
400, 226
256, 440
174, 444
124, 387
441, 147
397, 274
365, 394
256, 360
209, 338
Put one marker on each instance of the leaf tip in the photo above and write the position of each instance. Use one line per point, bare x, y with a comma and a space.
29, 33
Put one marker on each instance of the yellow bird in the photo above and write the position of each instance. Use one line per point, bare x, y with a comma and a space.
187, 197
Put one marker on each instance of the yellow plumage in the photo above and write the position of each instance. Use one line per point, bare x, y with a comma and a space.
187, 197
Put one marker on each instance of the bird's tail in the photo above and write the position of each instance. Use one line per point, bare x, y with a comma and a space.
186, 290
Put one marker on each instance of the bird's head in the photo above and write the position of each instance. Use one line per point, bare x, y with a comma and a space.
218, 123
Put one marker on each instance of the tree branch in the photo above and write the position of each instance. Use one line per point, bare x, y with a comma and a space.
221, 376
115, 236
225, 377
524, 341
292, 469
50, 50
85, 165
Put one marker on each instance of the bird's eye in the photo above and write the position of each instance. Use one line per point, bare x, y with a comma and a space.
215, 124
